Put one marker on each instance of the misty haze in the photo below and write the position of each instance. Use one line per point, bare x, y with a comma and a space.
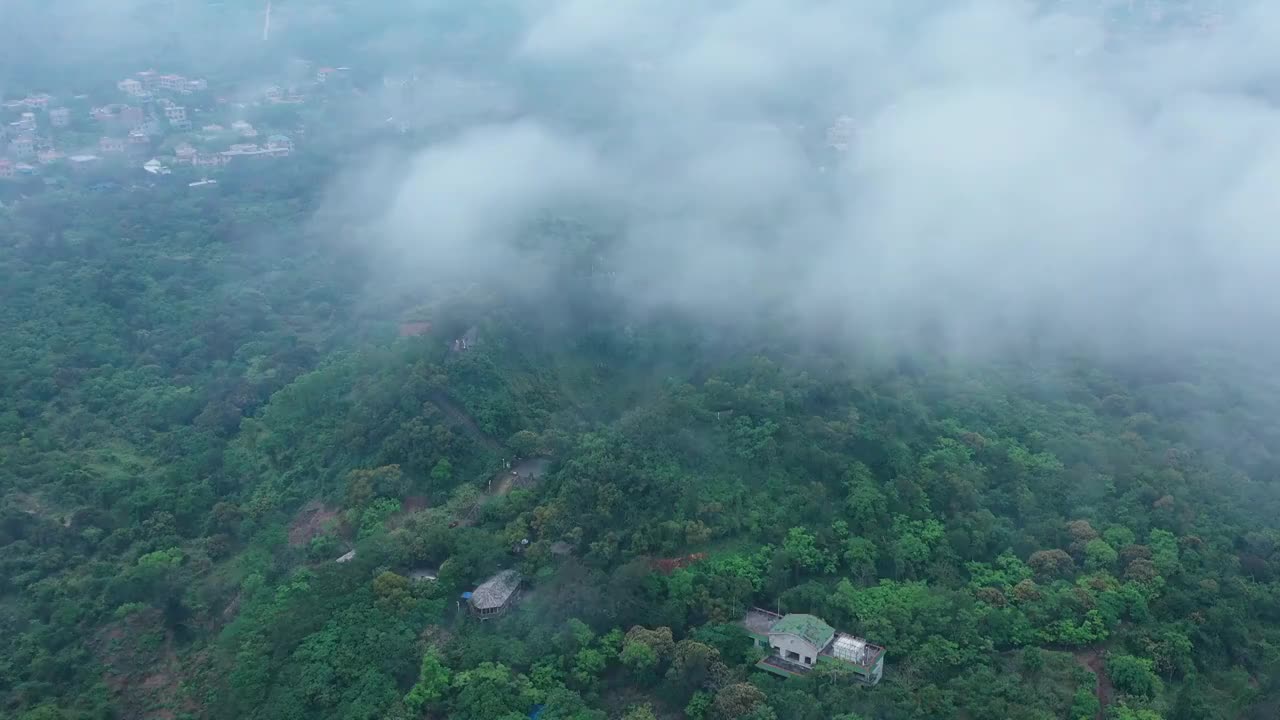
639, 359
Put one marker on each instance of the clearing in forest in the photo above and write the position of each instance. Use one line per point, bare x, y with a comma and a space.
311, 521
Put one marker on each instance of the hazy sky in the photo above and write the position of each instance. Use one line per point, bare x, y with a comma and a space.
1016, 167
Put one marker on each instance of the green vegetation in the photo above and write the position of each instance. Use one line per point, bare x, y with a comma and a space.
203, 409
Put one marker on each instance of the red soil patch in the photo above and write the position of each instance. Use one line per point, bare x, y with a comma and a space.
666, 566
312, 520
142, 668
1092, 660
409, 506
414, 329
414, 503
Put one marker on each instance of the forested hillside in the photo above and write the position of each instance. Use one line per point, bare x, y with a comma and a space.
206, 403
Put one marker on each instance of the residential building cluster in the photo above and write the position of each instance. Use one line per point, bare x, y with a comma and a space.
277, 95
157, 111
145, 84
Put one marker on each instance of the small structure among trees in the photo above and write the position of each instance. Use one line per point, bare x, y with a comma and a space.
495, 595
797, 643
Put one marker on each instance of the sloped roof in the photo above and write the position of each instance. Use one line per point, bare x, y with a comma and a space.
495, 591
809, 627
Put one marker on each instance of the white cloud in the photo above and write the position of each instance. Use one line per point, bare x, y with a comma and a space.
1018, 165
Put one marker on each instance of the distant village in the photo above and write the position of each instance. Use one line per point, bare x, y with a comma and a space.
157, 123
154, 122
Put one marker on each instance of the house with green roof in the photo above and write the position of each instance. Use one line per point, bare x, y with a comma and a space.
799, 642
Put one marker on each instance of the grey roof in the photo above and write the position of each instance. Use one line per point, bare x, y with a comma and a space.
495, 591
759, 621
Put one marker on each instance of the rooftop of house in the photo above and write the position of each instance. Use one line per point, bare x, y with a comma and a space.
854, 650
760, 621
809, 627
495, 591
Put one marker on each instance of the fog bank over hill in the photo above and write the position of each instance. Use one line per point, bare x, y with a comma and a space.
1016, 169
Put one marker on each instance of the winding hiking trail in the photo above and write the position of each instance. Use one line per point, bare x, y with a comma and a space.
1091, 659
462, 418
502, 481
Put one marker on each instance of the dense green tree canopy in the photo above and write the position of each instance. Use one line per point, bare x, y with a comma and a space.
198, 421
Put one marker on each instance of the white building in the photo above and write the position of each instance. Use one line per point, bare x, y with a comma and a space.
173, 83
842, 133
155, 167
280, 142
177, 116
149, 127
23, 146
131, 87
26, 124
797, 643
83, 162
213, 160
60, 117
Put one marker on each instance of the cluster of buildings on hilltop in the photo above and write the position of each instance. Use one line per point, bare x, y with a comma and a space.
127, 131
296, 94
278, 95
276, 146
20, 141
144, 85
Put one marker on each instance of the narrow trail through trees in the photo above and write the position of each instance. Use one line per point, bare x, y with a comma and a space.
1091, 659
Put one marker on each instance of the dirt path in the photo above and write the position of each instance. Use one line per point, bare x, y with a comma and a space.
523, 473
1092, 660
459, 416
505, 480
